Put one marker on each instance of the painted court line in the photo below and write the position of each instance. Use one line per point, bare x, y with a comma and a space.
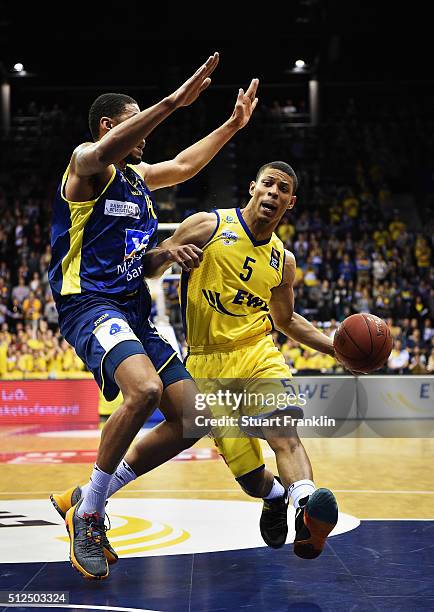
84, 607
168, 491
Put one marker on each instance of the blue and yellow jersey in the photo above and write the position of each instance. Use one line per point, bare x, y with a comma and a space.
224, 302
97, 246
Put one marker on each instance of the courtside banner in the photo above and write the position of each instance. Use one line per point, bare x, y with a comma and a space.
402, 406
53, 402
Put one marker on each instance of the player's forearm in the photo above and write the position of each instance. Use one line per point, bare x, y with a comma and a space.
122, 139
156, 262
302, 331
197, 156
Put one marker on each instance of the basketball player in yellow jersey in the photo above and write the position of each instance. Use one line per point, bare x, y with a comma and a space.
239, 274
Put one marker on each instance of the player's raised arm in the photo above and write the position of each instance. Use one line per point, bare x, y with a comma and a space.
120, 139
289, 322
191, 160
183, 248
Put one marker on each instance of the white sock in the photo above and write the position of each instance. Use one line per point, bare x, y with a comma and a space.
123, 475
277, 490
300, 489
96, 493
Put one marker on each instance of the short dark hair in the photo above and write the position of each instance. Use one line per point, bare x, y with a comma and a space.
280, 165
107, 105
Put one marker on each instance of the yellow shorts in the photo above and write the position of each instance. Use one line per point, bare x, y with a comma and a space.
262, 360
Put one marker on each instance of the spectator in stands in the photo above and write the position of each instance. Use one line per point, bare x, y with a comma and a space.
417, 363
422, 254
399, 359
379, 267
428, 331
21, 291
14, 314
346, 268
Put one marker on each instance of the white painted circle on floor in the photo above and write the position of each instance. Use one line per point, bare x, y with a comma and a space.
142, 528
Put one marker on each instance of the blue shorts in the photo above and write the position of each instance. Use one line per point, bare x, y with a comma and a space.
106, 330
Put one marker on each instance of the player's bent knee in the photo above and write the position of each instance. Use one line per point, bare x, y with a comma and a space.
144, 395
284, 444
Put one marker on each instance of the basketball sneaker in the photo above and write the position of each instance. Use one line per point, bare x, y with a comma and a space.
86, 551
64, 501
314, 520
273, 523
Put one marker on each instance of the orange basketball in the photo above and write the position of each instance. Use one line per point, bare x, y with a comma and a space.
363, 342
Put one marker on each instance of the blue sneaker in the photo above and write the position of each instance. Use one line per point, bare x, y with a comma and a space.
314, 520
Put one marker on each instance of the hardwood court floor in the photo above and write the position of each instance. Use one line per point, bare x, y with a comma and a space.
371, 477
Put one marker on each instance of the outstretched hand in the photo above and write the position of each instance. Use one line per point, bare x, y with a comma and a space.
245, 105
196, 84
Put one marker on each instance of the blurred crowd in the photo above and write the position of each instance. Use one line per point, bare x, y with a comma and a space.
355, 249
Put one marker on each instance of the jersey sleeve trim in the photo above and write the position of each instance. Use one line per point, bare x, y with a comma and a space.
64, 179
216, 227
283, 265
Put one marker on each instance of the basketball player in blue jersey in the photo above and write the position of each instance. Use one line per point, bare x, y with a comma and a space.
104, 220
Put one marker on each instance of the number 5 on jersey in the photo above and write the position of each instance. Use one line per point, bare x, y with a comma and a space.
246, 266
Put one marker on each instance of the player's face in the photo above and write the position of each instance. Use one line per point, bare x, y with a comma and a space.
272, 194
135, 156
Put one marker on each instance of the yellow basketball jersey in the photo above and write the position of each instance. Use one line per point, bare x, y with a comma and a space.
224, 302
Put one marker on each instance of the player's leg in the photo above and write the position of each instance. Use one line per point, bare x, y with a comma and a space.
316, 509
243, 457
159, 445
141, 388
167, 439
104, 340
292, 461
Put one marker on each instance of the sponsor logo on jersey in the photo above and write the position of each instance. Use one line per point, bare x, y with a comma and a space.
115, 208
213, 299
275, 258
229, 237
230, 219
242, 297
251, 301
136, 242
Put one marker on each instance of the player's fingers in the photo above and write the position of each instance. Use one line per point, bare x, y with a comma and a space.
204, 70
211, 63
251, 91
209, 66
254, 104
196, 250
199, 253
204, 85
180, 261
192, 257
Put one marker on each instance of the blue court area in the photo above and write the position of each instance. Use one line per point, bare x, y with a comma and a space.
381, 565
